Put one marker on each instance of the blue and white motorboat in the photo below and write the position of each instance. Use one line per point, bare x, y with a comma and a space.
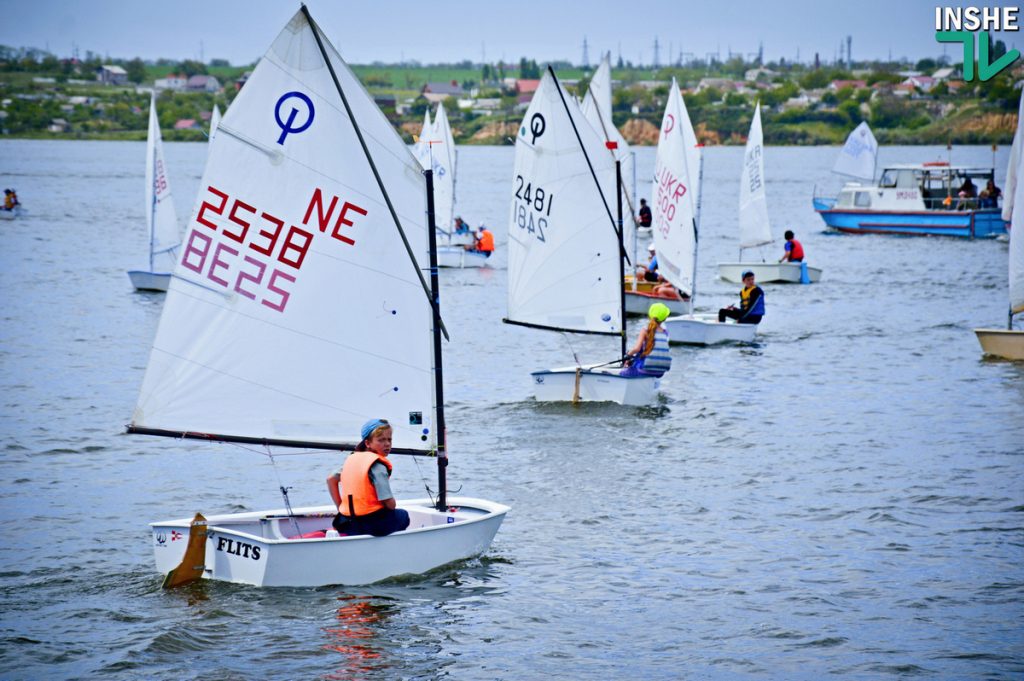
932, 199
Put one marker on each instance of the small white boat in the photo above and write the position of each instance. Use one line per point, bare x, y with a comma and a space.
678, 178
15, 212
256, 346
1008, 343
755, 227
639, 302
457, 256
161, 216
705, 329
768, 272
565, 248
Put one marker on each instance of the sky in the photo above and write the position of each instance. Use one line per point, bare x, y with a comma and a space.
390, 31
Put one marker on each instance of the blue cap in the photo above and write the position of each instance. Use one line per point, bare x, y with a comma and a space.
372, 425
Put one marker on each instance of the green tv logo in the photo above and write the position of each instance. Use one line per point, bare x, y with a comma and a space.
961, 24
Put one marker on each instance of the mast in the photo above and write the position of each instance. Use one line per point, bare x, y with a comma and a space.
622, 255
636, 224
435, 292
152, 203
696, 229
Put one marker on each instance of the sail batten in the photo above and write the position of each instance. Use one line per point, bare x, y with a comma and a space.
298, 308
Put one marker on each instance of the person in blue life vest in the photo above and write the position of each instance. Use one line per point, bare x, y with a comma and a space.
461, 227
751, 308
794, 249
361, 490
650, 355
650, 272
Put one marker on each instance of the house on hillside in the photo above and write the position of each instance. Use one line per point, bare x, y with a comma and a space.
109, 74
59, 125
526, 86
187, 124
241, 80
837, 85
202, 83
172, 81
438, 92
947, 73
759, 74
720, 84
922, 83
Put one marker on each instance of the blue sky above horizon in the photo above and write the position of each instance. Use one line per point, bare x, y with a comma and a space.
454, 30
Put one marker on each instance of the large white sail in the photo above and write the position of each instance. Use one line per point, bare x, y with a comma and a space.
597, 107
444, 158
161, 216
422, 147
1016, 254
296, 312
214, 120
857, 157
755, 229
675, 190
1010, 188
564, 267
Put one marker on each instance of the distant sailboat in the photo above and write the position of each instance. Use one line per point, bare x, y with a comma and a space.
161, 216
678, 175
298, 311
214, 121
755, 227
1009, 343
565, 247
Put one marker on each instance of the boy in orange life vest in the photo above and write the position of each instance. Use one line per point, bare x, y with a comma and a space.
361, 491
484, 240
794, 251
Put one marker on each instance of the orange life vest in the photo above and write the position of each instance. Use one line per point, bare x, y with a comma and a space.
486, 242
358, 495
797, 251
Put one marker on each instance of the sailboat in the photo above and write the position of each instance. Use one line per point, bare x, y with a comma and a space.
755, 228
445, 165
1008, 343
161, 217
299, 310
565, 248
678, 176
214, 121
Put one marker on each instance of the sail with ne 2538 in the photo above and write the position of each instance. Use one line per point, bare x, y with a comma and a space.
295, 312
564, 268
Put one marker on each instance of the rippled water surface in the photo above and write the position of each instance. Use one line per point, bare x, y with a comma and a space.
844, 499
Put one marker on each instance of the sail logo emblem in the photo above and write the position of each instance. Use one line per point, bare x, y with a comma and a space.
960, 24
537, 127
161, 538
288, 127
670, 123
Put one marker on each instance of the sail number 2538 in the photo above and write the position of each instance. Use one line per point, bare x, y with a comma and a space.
532, 207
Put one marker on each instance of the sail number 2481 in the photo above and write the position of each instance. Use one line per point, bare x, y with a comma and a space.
532, 207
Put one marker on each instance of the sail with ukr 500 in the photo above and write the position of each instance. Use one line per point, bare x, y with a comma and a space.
298, 311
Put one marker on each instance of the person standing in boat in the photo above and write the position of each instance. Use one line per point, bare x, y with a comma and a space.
646, 219
650, 356
794, 249
751, 308
361, 490
484, 240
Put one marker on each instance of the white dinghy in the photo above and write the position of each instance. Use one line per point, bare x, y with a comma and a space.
1008, 343
161, 217
565, 248
678, 174
310, 224
755, 227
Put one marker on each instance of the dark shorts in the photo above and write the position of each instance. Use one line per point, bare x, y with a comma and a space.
650, 276
379, 524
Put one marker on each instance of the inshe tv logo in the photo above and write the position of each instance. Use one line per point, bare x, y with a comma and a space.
960, 24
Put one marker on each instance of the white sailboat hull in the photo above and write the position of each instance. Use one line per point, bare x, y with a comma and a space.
149, 281
262, 548
1002, 343
638, 303
767, 272
457, 256
596, 385
464, 239
707, 330
11, 214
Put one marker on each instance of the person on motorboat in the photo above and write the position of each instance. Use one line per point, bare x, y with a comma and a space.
650, 272
794, 249
650, 356
990, 195
361, 490
751, 308
646, 219
484, 240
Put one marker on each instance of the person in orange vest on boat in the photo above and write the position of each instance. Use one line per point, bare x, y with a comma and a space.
361, 490
484, 240
794, 250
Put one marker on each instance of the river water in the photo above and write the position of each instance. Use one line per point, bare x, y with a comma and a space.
845, 498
